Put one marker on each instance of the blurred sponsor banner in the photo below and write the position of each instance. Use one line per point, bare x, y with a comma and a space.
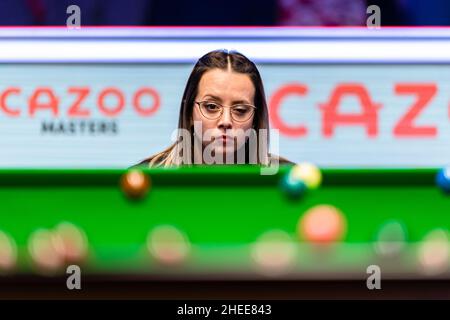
106, 97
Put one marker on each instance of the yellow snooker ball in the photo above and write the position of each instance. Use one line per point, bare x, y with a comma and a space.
308, 173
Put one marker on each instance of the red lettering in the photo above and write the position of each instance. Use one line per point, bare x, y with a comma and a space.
35, 104
120, 102
275, 105
4, 96
137, 101
331, 116
405, 127
76, 109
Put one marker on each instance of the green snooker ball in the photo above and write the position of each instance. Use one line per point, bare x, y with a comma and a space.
391, 238
293, 188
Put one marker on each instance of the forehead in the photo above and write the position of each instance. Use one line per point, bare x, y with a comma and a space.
226, 85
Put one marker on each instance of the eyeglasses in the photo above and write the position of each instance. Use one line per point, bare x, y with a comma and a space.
213, 110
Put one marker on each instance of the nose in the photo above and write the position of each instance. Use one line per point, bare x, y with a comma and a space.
225, 119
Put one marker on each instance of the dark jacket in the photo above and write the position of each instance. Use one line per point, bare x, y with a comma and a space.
281, 161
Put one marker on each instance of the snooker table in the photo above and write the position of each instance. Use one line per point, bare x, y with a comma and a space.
236, 232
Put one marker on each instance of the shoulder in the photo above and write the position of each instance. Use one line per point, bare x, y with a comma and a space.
156, 162
143, 163
153, 161
162, 158
281, 160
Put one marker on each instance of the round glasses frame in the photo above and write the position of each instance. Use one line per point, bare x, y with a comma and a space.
222, 107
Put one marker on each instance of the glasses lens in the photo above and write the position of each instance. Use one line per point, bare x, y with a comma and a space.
242, 112
210, 110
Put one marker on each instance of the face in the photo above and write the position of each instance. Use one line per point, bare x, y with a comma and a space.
227, 88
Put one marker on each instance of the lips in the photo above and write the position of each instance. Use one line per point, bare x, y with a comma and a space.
225, 138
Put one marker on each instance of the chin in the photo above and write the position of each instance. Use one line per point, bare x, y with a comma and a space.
224, 150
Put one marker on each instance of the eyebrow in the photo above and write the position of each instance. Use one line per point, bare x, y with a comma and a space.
220, 100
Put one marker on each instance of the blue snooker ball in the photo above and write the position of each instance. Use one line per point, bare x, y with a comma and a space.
443, 179
294, 188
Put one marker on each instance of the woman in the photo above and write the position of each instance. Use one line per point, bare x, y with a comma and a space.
223, 116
